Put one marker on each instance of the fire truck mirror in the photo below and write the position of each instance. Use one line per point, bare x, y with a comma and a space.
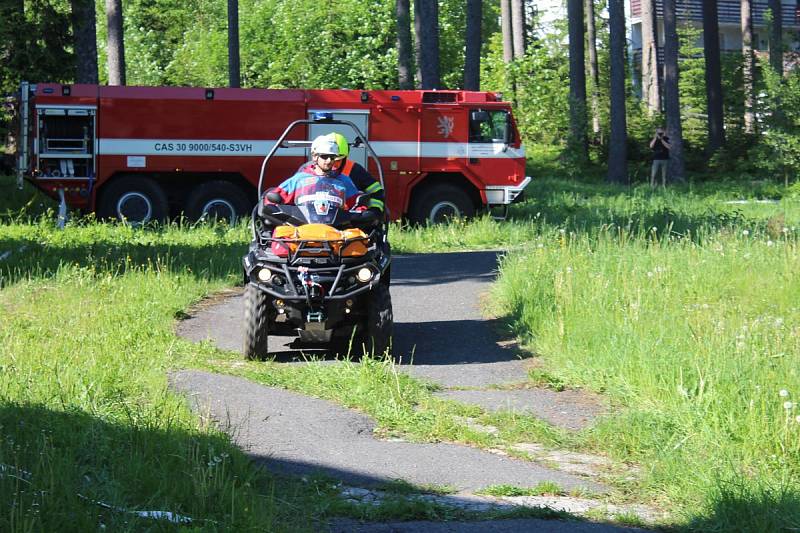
479, 115
508, 138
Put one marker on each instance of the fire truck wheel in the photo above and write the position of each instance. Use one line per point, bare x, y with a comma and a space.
135, 199
221, 200
256, 323
440, 203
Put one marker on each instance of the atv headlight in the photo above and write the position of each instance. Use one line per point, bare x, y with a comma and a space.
364, 274
264, 274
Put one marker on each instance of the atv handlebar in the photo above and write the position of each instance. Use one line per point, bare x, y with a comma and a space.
278, 213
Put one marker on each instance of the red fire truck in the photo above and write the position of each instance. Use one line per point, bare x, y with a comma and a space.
146, 153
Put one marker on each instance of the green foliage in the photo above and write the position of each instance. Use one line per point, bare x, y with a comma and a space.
35, 45
282, 44
779, 152
541, 80
692, 88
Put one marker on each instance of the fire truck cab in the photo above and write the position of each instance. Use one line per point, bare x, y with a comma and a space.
147, 153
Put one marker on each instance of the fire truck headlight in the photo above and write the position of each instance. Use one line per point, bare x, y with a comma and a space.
264, 274
364, 274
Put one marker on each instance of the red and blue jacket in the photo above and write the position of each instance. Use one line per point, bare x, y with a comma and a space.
361, 178
305, 181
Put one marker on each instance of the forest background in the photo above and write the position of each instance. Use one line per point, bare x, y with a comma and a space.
547, 70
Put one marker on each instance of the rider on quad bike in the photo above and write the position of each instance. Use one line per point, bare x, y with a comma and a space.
329, 162
344, 167
319, 263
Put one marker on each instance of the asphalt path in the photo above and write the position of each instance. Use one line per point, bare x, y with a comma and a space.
439, 332
295, 434
439, 335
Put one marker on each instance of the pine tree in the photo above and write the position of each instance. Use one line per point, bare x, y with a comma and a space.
672, 105
716, 130
472, 38
617, 154
116, 43
234, 77
405, 78
85, 38
577, 82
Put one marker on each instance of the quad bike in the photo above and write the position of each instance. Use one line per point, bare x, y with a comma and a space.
316, 270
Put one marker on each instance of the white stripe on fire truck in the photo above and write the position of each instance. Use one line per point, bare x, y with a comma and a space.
249, 148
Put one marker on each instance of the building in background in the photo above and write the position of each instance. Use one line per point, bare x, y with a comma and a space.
730, 33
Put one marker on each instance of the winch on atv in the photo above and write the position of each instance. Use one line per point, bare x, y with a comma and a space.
317, 270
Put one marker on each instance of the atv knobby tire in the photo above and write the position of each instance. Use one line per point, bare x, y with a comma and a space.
377, 337
256, 325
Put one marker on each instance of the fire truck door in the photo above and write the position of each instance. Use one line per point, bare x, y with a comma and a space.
359, 117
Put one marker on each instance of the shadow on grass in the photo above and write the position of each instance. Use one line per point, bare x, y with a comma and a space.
737, 507
580, 207
24, 258
71, 471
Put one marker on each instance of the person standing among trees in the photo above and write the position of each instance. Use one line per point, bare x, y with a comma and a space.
660, 147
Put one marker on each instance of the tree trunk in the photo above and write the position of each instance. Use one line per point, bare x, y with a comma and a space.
618, 142
518, 27
748, 65
426, 24
651, 79
716, 129
84, 30
594, 75
234, 76
776, 37
472, 38
505, 21
405, 77
577, 81
672, 105
116, 43
417, 45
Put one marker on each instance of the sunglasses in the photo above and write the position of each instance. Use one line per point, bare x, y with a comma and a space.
329, 156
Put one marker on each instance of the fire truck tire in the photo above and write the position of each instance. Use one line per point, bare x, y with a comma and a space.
439, 203
256, 324
135, 199
377, 337
217, 199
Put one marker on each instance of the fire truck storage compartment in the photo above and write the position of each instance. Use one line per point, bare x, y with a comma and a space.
66, 142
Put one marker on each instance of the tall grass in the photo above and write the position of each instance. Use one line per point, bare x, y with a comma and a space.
696, 335
679, 305
86, 342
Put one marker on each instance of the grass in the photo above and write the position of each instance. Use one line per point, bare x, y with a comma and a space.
656, 298
545, 488
86, 413
696, 332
